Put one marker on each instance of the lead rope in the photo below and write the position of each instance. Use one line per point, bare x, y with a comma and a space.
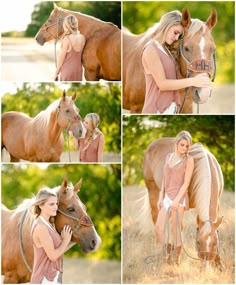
21, 242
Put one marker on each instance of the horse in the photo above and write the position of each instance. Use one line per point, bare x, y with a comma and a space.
101, 56
204, 192
17, 244
40, 139
194, 53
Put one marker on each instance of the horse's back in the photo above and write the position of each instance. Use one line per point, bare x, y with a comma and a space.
133, 74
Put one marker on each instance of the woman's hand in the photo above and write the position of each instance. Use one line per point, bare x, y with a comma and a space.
201, 80
160, 204
175, 205
66, 233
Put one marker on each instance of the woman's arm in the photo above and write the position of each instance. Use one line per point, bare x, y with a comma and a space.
152, 64
62, 55
100, 148
187, 179
43, 238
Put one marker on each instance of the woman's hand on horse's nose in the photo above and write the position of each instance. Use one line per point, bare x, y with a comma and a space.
202, 80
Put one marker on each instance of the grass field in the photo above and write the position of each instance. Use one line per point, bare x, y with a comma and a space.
142, 261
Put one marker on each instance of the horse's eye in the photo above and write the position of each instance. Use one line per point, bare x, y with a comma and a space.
187, 49
71, 209
67, 111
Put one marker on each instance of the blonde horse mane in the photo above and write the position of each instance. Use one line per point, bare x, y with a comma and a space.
200, 186
43, 118
196, 25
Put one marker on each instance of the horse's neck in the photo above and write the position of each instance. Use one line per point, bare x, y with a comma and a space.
55, 131
89, 25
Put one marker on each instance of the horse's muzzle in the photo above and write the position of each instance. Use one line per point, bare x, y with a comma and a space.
201, 95
40, 39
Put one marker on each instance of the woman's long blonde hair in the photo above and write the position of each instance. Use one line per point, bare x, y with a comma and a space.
42, 197
94, 119
70, 25
159, 30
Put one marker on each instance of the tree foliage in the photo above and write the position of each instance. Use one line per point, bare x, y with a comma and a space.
138, 16
100, 192
109, 11
215, 132
103, 99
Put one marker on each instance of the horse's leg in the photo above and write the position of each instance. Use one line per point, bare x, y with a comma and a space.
10, 278
14, 159
153, 193
91, 75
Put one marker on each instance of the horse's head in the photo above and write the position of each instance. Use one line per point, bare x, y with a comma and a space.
68, 116
52, 28
208, 241
71, 211
197, 51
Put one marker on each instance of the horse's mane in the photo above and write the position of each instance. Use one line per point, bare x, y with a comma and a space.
43, 118
196, 25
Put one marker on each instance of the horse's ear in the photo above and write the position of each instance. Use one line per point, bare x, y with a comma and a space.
74, 96
64, 95
64, 185
199, 222
186, 18
217, 224
78, 185
212, 20
55, 5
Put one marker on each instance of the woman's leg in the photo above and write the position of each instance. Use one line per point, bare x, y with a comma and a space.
160, 226
177, 229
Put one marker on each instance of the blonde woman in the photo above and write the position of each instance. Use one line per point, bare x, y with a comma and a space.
49, 245
159, 66
173, 197
92, 146
69, 65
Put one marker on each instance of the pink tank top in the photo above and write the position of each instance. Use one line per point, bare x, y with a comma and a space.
156, 100
91, 153
71, 69
43, 266
174, 179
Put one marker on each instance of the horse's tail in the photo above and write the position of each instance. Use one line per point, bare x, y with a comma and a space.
153, 190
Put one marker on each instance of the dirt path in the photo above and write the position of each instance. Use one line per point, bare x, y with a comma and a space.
107, 157
142, 257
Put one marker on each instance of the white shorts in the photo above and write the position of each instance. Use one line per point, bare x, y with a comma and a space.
55, 281
172, 109
167, 202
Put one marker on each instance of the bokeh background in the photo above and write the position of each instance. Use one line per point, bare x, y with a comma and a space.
142, 259
101, 194
102, 98
138, 16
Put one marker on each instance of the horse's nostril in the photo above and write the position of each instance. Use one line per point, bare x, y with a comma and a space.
93, 244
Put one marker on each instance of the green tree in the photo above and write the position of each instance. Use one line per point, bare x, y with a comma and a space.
109, 11
216, 133
101, 98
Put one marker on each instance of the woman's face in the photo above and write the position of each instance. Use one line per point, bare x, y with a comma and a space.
173, 34
87, 123
182, 146
50, 206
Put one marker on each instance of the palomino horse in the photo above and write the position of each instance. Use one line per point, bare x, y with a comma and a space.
17, 244
101, 56
40, 139
204, 191
194, 54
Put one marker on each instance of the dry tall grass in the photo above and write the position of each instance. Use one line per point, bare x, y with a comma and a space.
142, 259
